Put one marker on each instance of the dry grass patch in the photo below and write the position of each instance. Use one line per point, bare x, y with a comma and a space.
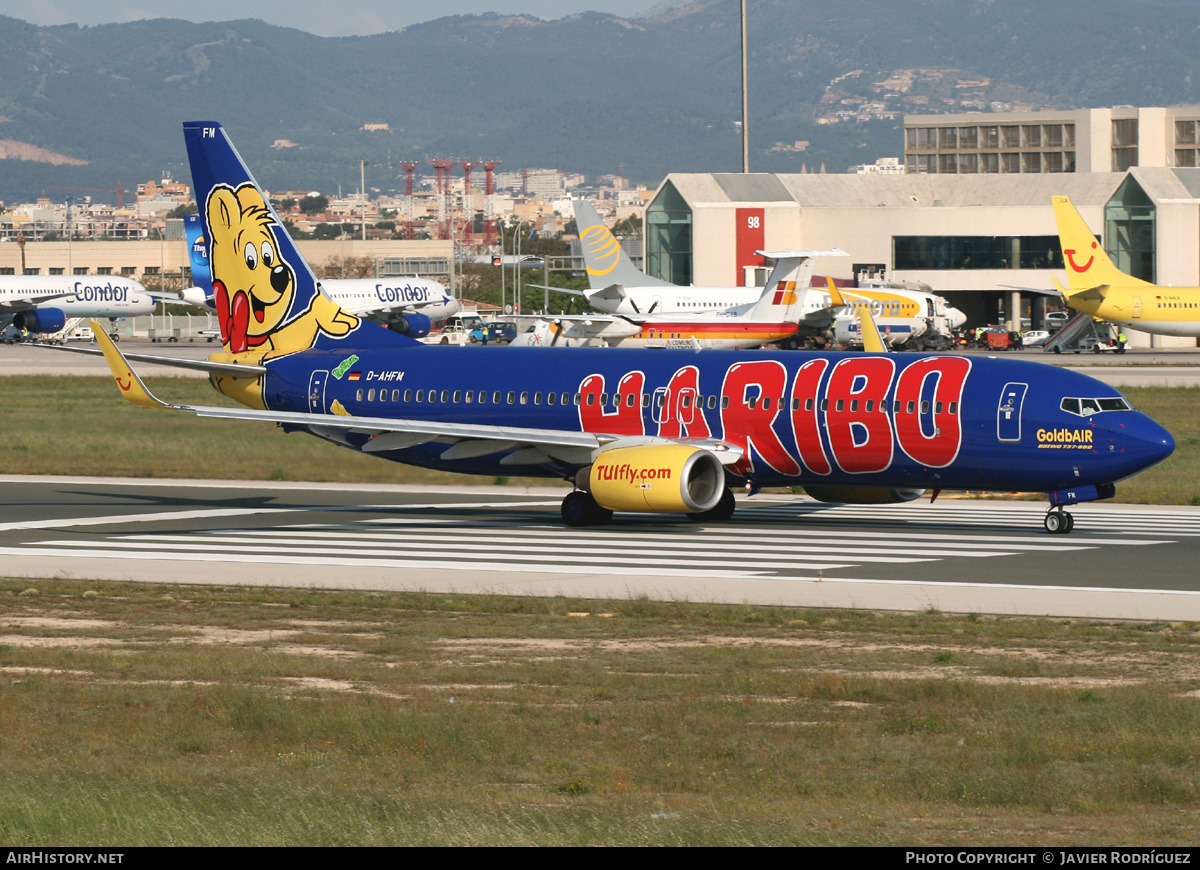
218, 716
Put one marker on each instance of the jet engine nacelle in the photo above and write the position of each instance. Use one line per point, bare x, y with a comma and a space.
196, 296
412, 325
862, 494
41, 320
656, 478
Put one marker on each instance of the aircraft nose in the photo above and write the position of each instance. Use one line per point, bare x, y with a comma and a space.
1146, 443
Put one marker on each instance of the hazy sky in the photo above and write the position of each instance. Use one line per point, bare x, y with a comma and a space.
357, 17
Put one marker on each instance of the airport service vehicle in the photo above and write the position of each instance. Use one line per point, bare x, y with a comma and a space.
499, 331
1034, 337
646, 431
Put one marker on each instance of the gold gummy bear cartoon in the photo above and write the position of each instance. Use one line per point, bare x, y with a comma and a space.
253, 287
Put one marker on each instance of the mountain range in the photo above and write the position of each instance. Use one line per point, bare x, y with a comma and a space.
592, 93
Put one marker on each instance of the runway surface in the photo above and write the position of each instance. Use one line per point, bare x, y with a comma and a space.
957, 555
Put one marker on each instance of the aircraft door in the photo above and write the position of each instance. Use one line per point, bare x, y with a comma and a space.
316, 392
1008, 416
686, 412
659, 411
1137, 307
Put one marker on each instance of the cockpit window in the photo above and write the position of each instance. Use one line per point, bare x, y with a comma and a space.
1088, 407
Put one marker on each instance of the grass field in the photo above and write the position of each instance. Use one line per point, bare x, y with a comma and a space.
141, 715
78, 425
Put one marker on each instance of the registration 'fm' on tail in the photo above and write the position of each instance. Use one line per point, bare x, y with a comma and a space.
1087, 265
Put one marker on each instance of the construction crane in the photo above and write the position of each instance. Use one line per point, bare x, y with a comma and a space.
120, 192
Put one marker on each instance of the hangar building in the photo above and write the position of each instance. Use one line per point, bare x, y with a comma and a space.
972, 236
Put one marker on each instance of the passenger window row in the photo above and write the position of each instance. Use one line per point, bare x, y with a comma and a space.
511, 397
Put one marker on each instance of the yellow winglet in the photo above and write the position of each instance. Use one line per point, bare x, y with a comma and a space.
131, 385
872, 342
835, 296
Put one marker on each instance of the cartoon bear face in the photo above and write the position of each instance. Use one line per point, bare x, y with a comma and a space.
253, 287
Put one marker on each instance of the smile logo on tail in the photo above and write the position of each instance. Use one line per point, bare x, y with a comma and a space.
601, 246
1070, 255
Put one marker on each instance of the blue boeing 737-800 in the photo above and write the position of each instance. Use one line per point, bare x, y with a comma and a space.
637, 430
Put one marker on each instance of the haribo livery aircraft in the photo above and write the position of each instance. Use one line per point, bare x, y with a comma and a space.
902, 314
1097, 287
44, 303
639, 430
409, 306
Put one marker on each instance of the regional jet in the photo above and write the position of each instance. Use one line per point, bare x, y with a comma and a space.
905, 315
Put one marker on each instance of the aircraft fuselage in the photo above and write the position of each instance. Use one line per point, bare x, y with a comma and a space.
941, 421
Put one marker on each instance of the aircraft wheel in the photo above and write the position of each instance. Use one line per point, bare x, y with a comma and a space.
580, 509
1058, 349
721, 512
1058, 522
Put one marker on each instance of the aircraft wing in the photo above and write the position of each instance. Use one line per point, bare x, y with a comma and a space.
27, 303
464, 440
559, 289
1038, 290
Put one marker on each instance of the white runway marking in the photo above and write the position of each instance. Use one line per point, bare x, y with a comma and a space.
68, 522
527, 542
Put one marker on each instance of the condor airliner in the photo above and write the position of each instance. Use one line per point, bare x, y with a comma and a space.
409, 306
43, 303
637, 430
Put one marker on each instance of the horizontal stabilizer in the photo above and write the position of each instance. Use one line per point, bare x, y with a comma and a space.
196, 365
781, 255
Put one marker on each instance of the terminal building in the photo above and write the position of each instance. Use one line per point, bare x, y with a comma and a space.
976, 230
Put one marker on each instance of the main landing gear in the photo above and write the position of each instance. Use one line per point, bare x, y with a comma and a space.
1058, 521
580, 509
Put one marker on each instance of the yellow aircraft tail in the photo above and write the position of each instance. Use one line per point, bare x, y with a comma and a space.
1087, 265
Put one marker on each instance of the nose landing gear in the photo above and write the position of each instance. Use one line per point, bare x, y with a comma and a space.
1058, 521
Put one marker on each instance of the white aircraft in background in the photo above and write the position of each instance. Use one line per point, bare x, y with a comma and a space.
44, 303
901, 314
774, 316
409, 306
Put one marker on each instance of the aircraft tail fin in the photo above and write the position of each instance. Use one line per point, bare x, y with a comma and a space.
788, 286
606, 262
200, 293
1086, 262
871, 339
266, 296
